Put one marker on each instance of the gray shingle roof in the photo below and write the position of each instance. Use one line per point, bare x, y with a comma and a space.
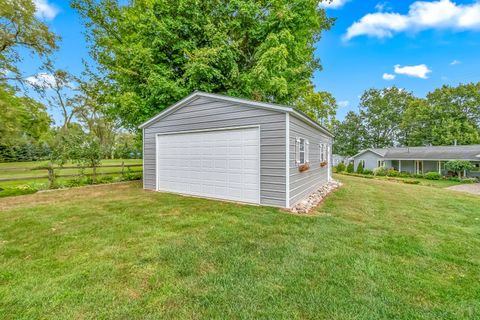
467, 152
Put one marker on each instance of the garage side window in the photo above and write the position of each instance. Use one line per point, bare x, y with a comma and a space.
323, 152
301, 151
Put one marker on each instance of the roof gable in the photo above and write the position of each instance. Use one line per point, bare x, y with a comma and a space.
256, 104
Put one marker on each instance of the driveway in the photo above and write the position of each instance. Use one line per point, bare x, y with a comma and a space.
473, 188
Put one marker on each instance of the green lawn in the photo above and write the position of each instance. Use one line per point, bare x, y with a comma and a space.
375, 250
442, 183
39, 173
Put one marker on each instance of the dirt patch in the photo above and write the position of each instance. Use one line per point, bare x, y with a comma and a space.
473, 188
67, 195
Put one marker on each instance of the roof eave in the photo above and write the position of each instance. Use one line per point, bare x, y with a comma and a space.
262, 105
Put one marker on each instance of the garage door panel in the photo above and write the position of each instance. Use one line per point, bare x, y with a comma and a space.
220, 164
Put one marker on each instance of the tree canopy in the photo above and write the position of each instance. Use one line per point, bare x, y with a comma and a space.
151, 53
19, 28
394, 117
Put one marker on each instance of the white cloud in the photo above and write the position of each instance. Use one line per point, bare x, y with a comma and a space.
333, 4
454, 62
388, 76
422, 15
343, 103
419, 71
45, 10
44, 80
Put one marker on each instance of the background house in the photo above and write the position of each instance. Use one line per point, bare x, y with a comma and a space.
229, 148
419, 159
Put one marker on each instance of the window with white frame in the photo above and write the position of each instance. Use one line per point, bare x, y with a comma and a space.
380, 163
363, 163
323, 152
301, 151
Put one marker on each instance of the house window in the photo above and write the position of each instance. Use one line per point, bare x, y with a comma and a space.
301, 151
362, 162
323, 152
380, 163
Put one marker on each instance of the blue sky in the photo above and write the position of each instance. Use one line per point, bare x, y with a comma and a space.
431, 43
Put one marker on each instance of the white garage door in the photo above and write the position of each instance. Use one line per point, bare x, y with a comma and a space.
221, 164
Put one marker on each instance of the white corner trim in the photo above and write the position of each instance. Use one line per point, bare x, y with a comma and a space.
156, 163
143, 158
287, 160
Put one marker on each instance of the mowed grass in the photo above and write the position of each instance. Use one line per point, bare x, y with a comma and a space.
39, 173
374, 250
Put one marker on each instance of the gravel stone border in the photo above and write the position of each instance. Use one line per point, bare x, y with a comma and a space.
313, 200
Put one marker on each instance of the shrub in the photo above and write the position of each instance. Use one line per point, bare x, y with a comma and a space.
454, 179
350, 167
367, 172
433, 175
411, 181
380, 171
418, 175
77, 182
360, 168
458, 166
105, 179
392, 173
17, 191
469, 180
404, 174
341, 167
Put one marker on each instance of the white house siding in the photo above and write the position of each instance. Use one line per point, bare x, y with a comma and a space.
210, 113
304, 183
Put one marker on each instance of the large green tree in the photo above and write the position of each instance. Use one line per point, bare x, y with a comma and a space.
448, 115
381, 111
151, 53
350, 135
24, 127
21, 30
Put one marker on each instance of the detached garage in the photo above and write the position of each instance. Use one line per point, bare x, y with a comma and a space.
228, 148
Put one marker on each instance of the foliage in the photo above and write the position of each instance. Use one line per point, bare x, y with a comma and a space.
392, 116
17, 191
391, 172
360, 168
447, 115
24, 127
411, 181
350, 135
152, 53
341, 167
381, 113
432, 175
350, 168
22, 32
380, 171
458, 166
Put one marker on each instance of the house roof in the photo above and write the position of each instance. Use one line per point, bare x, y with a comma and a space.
465, 152
377, 151
257, 104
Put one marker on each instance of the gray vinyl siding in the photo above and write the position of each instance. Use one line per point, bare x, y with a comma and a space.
209, 113
429, 166
304, 183
371, 160
408, 166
